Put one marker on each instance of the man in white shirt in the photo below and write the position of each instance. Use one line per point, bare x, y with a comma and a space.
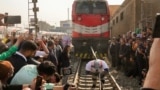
96, 67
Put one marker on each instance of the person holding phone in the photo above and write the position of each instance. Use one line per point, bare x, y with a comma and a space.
12, 49
152, 80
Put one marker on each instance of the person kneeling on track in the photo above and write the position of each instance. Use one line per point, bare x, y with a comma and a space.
95, 68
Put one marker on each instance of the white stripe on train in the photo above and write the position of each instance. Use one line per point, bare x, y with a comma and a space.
90, 30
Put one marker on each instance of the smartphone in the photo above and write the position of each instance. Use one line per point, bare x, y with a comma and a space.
12, 19
38, 83
156, 30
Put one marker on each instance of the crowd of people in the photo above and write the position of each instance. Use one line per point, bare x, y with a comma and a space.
130, 53
23, 59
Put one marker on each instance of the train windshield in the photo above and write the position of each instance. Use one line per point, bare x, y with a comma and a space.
91, 7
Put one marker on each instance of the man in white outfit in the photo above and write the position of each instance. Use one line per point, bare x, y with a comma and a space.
96, 67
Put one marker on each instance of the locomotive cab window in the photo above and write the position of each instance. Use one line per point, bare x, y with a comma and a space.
91, 8
99, 8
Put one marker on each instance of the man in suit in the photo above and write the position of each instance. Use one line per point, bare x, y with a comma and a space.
23, 56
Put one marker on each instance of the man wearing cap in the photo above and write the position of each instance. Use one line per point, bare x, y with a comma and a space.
95, 68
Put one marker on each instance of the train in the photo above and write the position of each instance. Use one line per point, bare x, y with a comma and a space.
90, 27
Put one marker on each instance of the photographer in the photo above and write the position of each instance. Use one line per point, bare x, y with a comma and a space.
152, 81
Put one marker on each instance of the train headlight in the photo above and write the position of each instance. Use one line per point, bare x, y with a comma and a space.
79, 19
102, 18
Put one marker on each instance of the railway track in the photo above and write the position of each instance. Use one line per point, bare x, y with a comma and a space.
84, 82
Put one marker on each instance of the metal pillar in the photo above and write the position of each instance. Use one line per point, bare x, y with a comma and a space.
32, 18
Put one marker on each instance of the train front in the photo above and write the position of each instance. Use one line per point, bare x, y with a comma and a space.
90, 27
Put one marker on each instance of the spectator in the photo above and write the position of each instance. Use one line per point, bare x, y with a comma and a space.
6, 71
113, 51
52, 54
58, 51
58, 47
131, 70
55, 78
46, 69
64, 62
140, 61
122, 55
42, 51
5, 39
22, 57
12, 49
